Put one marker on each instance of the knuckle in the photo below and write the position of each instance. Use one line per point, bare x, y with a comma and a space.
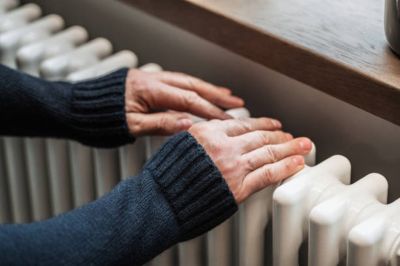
228, 167
158, 125
191, 83
271, 153
162, 122
252, 163
135, 129
264, 120
277, 137
197, 129
287, 166
139, 81
217, 149
282, 136
294, 146
203, 129
195, 82
191, 98
268, 176
244, 123
264, 137
139, 85
135, 126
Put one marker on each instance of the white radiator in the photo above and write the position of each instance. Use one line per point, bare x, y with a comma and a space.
340, 223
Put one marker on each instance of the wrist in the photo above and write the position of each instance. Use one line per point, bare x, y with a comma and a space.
192, 185
98, 111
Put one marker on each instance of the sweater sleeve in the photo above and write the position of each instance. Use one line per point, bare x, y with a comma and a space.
91, 112
179, 195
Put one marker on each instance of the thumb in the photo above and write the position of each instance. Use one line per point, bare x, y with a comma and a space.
164, 123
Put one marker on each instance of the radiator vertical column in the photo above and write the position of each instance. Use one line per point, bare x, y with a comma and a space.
19, 17
14, 148
220, 245
58, 151
29, 58
11, 41
331, 220
376, 240
257, 213
5, 207
254, 221
131, 158
5, 203
106, 161
18, 183
7, 5
293, 201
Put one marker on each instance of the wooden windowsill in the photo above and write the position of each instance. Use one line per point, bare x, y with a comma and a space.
338, 47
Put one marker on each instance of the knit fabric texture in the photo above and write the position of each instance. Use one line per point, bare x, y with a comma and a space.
179, 195
91, 112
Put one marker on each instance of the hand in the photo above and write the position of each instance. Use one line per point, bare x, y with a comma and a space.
251, 153
149, 95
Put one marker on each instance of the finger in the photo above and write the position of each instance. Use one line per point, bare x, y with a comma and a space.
214, 94
236, 127
272, 153
168, 97
259, 138
226, 90
272, 173
166, 123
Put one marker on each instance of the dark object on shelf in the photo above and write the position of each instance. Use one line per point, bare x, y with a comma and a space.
392, 24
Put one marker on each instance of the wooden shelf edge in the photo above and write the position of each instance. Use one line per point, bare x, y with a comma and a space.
325, 74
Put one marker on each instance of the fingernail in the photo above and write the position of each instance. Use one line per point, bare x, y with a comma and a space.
276, 123
298, 160
184, 123
237, 98
239, 101
289, 136
226, 90
305, 144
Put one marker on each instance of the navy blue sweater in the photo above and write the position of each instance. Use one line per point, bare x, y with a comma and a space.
179, 194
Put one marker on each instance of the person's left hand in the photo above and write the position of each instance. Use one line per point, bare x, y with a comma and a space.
148, 96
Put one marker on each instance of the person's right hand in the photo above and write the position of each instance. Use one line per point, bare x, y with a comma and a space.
251, 153
148, 96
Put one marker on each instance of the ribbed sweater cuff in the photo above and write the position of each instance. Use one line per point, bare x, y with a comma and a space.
192, 185
98, 110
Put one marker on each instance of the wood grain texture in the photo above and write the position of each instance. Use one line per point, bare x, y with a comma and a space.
338, 46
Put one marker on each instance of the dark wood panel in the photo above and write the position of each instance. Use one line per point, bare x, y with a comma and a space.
330, 45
